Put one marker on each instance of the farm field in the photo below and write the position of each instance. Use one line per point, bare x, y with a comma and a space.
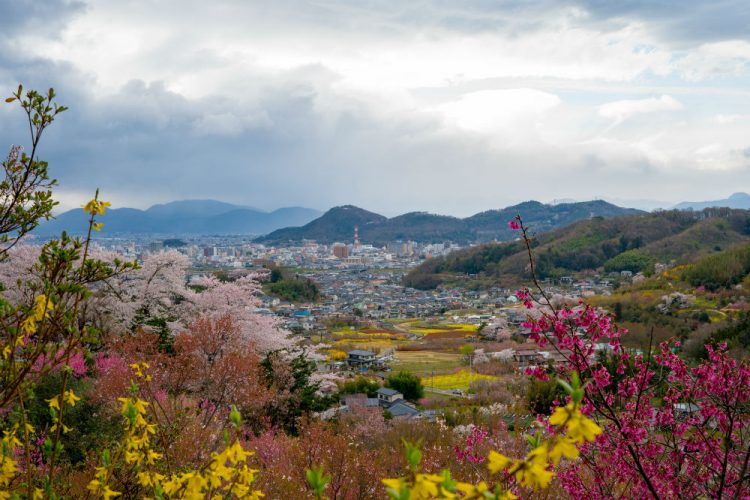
425, 362
458, 380
375, 345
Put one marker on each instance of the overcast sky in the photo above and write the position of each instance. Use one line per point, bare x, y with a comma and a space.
394, 106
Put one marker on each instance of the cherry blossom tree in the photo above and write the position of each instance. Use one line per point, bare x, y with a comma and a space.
240, 299
149, 293
157, 295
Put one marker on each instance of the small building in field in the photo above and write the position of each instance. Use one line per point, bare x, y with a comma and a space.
360, 357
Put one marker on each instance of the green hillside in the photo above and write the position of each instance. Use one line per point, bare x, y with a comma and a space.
633, 243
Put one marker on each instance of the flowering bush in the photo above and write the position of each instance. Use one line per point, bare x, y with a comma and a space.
569, 429
671, 430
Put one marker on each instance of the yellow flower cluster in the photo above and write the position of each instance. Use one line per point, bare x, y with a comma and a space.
579, 428
40, 311
427, 486
96, 207
533, 471
227, 475
138, 369
335, 354
55, 403
8, 465
67, 397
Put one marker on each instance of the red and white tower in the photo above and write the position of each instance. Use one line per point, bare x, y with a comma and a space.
357, 244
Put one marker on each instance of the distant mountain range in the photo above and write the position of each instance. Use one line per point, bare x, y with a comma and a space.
737, 200
294, 224
338, 224
632, 243
183, 217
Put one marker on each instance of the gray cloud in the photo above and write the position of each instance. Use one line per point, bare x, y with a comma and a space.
47, 17
298, 136
681, 21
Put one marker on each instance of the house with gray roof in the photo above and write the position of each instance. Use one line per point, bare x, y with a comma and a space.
359, 358
387, 397
403, 409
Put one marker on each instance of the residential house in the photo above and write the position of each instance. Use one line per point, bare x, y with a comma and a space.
387, 397
360, 358
527, 357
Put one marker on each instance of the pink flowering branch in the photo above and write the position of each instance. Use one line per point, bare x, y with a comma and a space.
694, 443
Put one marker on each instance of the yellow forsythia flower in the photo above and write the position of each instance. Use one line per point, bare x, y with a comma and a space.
497, 462
70, 397
96, 207
564, 447
54, 403
579, 427
534, 475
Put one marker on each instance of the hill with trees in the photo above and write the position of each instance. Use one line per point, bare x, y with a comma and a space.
291, 287
633, 243
338, 224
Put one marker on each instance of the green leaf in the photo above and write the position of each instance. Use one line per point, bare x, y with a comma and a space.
235, 417
565, 386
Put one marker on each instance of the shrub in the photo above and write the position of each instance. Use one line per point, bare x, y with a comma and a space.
407, 384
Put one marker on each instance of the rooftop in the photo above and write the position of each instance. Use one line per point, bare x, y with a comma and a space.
361, 352
387, 392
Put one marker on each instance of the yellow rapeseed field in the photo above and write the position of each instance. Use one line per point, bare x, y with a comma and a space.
458, 380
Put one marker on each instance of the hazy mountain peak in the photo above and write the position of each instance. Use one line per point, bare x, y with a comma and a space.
183, 217
194, 207
739, 200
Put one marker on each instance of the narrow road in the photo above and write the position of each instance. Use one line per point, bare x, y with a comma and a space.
447, 392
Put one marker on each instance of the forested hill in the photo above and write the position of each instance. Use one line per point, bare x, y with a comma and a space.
338, 224
633, 243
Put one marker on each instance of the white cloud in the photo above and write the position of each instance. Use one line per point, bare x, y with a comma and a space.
514, 114
619, 111
717, 59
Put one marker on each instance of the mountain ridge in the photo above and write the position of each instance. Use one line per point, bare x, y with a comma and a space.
630, 243
738, 200
182, 217
338, 223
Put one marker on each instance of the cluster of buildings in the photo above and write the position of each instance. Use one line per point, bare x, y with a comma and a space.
354, 279
238, 252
